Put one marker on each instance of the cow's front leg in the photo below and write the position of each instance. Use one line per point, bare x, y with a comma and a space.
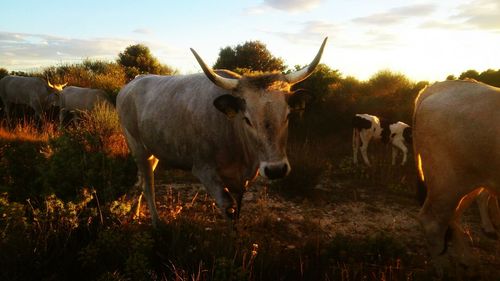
227, 203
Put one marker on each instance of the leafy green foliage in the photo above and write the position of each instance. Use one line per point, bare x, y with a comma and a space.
92, 155
489, 76
21, 169
250, 56
3, 72
137, 59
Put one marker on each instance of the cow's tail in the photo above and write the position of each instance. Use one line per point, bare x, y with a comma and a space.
421, 185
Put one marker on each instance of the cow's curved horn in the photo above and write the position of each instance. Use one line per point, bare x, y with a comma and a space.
226, 83
50, 84
299, 75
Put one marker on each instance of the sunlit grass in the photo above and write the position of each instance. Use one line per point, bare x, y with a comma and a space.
27, 130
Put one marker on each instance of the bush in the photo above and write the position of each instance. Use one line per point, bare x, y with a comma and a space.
94, 154
127, 250
21, 169
40, 241
108, 76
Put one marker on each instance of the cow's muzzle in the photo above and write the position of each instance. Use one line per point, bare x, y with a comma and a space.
275, 170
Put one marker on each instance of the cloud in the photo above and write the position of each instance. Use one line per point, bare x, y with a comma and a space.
26, 50
292, 6
144, 31
480, 14
476, 14
310, 32
397, 15
441, 24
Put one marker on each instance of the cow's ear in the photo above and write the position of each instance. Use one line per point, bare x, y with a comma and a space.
229, 105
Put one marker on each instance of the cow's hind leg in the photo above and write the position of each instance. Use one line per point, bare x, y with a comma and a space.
394, 155
399, 144
365, 137
146, 164
355, 145
461, 250
484, 199
437, 218
435, 231
440, 218
494, 211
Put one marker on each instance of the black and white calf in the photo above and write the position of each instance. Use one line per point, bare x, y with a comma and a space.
367, 127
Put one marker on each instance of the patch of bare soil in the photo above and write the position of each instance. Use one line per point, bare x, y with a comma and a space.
348, 209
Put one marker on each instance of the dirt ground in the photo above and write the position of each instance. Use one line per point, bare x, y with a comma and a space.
344, 208
349, 209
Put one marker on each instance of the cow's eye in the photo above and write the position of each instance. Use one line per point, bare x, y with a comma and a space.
247, 121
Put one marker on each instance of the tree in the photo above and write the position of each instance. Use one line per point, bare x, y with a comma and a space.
251, 56
320, 103
491, 77
388, 83
3, 72
471, 73
137, 59
319, 84
451, 77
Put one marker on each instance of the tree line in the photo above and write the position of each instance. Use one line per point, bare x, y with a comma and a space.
332, 97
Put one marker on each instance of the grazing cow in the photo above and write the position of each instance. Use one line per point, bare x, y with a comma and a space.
30, 91
457, 149
367, 127
223, 127
74, 100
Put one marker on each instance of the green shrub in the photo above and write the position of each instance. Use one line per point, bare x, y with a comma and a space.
39, 240
126, 250
92, 155
21, 169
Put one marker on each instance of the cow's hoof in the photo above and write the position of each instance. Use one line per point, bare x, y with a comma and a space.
231, 213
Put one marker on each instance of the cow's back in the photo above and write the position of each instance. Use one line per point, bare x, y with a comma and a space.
456, 124
174, 116
77, 98
23, 90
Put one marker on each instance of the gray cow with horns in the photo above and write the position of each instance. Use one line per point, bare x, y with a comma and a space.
224, 127
33, 92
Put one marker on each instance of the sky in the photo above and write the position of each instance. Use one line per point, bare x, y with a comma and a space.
425, 40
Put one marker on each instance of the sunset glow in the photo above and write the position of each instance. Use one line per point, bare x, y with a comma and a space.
425, 40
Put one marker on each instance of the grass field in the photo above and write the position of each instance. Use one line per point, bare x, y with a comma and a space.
67, 207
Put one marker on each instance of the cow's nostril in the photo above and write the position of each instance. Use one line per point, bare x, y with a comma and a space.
284, 169
266, 171
276, 171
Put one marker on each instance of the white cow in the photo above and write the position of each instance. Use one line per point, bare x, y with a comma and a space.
75, 100
457, 149
223, 127
367, 127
